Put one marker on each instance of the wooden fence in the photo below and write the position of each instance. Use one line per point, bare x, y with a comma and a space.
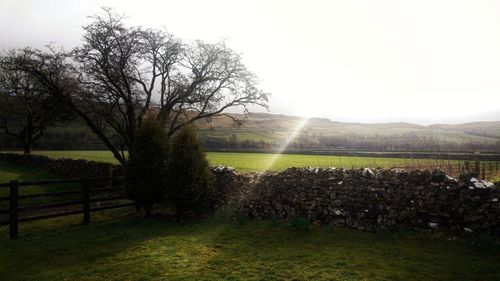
86, 195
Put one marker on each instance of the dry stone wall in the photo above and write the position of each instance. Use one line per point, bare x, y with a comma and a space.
68, 168
366, 200
363, 199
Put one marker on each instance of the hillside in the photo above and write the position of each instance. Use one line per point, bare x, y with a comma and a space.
321, 131
274, 121
263, 131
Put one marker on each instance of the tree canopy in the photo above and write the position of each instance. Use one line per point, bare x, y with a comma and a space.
121, 73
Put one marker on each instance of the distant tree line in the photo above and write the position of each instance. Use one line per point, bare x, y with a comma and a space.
403, 142
353, 142
86, 140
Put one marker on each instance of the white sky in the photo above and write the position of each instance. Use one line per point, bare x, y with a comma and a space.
362, 61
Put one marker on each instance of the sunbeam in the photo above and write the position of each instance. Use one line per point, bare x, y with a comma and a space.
286, 143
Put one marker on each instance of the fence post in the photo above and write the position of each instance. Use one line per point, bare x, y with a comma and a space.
483, 171
110, 175
477, 168
14, 224
86, 202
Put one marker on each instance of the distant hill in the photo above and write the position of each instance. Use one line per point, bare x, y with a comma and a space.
285, 123
331, 134
271, 132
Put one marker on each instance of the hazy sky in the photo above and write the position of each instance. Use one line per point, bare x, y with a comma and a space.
362, 61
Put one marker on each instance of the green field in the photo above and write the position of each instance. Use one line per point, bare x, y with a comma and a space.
250, 162
134, 248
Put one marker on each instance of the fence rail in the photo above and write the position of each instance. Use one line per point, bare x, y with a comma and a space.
110, 191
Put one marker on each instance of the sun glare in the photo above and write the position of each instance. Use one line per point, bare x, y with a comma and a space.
291, 137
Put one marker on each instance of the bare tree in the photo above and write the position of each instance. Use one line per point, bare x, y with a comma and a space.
120, 74
26, 108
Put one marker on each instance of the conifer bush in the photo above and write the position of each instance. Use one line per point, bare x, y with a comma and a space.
187, 173
143, 171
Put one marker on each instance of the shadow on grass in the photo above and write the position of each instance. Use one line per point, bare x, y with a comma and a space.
134, 248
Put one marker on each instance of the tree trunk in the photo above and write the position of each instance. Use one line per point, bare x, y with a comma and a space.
27, 148
179, 213
28, 135
147, 210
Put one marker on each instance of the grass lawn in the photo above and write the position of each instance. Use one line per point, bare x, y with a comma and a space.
12, 172
133, 248
248, 162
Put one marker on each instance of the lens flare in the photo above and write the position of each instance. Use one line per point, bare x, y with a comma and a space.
297, 129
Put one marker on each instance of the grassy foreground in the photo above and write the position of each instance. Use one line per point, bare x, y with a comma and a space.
133, 248
118, 245
248, 162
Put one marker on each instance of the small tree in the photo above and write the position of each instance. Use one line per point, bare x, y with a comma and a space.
144, 167
26, 108
187, 173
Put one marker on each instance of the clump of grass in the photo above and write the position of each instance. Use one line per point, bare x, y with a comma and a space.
383, 231
241, 218
276, 222
484, 240
227, 214
299, 223
331, 227
222, 214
